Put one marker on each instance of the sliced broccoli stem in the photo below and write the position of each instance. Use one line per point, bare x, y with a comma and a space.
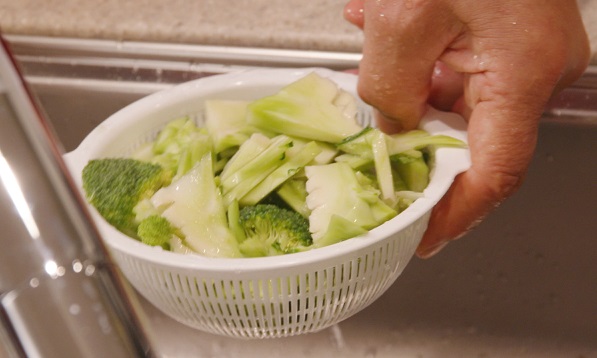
383, 168
193, 204
296, 159
236, 185
234, 221
250, 149
339, 229
312, 107
225, 122
294, 194
335, 189
419, 139
413, 170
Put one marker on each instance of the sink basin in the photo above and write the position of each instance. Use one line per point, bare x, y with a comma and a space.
521, 285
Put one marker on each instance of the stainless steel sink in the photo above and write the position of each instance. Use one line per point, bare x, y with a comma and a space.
523, 284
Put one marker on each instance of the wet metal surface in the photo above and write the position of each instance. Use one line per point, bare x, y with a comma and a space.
60, 296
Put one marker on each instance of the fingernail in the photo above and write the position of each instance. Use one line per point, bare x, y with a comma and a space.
429, 251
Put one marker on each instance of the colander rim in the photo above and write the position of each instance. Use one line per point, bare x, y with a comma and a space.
449, 163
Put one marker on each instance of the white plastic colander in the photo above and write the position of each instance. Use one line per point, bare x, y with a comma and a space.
272, 296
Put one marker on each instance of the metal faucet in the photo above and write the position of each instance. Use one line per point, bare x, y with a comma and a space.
60, 293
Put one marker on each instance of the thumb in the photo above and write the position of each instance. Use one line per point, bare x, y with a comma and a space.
500, 155
353, 12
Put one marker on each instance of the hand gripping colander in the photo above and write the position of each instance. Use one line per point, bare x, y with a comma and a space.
271, 296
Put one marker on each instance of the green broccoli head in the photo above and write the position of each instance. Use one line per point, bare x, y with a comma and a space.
271, 230
114, 186
156, 231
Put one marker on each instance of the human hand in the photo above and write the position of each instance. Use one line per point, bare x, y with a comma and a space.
497, 63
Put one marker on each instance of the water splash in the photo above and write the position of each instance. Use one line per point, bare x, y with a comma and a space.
337, 337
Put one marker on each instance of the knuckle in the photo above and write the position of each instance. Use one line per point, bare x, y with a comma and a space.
393, 105
364, 91
502, 184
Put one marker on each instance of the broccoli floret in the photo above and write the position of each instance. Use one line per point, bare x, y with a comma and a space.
114, 186
340, 204
193, 204
270, 230
312, 107
156, 231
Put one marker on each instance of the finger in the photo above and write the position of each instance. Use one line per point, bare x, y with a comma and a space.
504, 93
386, 124
353, 12
400, 50
579, 47
500, 154
446, 87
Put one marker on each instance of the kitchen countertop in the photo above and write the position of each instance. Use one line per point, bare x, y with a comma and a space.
251, 23
285, 24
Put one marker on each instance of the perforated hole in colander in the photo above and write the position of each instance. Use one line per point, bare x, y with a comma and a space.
268, 304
